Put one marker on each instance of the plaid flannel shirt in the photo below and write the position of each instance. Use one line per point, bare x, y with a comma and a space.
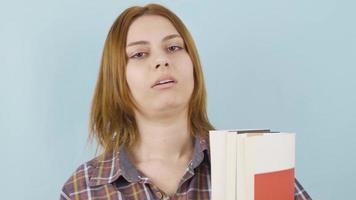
115, 178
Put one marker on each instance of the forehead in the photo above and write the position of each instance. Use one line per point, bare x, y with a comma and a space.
150, 27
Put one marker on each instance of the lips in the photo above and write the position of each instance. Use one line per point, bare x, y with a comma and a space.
164, 80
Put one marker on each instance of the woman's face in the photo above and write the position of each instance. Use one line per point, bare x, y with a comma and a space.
159, 69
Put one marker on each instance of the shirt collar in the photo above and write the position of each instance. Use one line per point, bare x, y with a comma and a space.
116, 164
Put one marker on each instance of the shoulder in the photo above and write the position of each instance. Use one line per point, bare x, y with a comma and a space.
86, 175
79, 179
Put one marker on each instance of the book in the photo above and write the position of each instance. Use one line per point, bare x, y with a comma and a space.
249, 164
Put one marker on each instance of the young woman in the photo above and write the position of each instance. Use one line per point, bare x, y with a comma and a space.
149, 115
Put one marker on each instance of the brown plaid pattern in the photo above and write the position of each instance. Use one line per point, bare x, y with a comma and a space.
115, 178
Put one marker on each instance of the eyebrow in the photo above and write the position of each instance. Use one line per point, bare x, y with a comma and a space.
168, 37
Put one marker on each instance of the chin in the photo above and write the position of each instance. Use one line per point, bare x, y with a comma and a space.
169, 104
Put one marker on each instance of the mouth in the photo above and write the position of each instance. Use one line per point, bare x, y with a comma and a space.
164, 82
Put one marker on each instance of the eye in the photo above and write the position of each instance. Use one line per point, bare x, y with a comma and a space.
174, 48
138, 55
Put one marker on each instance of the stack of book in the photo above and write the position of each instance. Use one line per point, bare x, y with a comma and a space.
252, 165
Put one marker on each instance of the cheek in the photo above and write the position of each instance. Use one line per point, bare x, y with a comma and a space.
129, 77
187, 69
134, 79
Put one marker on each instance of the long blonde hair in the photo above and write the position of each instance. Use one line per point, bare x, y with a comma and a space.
112, 120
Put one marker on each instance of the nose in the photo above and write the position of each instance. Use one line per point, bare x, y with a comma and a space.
161, 63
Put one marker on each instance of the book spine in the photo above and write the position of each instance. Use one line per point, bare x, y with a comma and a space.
218, 163
241, 177
231, 156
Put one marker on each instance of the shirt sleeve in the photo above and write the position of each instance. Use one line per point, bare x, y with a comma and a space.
300, 193
66, 190
64, 195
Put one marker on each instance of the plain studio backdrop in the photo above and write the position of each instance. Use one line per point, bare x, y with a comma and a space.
285, 65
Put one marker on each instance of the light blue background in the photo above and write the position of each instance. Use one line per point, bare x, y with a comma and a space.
284, 65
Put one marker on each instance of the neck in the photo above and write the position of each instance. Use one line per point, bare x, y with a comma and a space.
167, 138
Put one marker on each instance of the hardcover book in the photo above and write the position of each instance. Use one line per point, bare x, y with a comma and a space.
252, 165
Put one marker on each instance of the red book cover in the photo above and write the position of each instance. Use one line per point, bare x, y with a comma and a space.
277, 185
